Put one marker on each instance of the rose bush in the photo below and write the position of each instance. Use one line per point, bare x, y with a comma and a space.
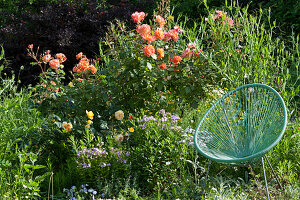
154, 58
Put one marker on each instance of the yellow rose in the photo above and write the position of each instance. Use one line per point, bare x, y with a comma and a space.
119, 115
87, 126
90, 114
89, 121
131, 130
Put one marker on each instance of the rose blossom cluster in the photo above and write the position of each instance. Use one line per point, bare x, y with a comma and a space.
148, 35
84, 64
56, 62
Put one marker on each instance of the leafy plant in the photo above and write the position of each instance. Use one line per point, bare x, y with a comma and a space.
17, 173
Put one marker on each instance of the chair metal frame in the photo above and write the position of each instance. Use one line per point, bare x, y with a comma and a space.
250, 159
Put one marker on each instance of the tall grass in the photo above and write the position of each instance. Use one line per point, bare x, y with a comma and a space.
248, 52
18, 120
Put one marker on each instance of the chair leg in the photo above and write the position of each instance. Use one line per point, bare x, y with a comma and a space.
266, 183
273, 172
209, 163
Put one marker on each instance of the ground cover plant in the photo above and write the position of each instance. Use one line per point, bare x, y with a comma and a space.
120, 124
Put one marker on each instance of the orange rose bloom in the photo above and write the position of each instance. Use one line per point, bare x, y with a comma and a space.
46, 58
144, 29
159, 19
149, 38
148, 50
61, 57
138, 16
176, 60
173, 34
163, 66
76, 69
161, 53
159, 33
93, 69
79, 56
83, 64
54, 64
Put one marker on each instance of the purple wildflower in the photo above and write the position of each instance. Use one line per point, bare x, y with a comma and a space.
162, 111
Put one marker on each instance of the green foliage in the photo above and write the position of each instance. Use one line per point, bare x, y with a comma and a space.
18, 120
285, 13
283, 155
17, 168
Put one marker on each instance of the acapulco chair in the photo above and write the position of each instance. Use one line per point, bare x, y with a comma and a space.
241, 127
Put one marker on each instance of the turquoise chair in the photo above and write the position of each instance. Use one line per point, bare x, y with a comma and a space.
241, 127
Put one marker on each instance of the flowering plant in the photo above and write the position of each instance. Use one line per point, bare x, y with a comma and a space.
50, 85
98, 160
159, 145
154, 58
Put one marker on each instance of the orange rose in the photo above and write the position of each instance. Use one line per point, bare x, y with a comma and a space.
61, 57
76, 69
138, 16
79, 56
54, 64
93, 69
163, 66
173, 34
143, 29
46, 58
149, 38
83, 64
176, 60
161, 53
159, 33
159, 19
148, 50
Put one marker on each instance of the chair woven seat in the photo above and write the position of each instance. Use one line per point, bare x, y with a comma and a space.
242, 125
